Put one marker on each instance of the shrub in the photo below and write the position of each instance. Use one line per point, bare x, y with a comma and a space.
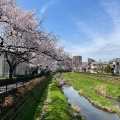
108, 69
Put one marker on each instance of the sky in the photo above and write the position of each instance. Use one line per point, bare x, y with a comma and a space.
87, 28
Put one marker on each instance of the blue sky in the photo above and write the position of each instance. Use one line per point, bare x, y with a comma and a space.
90, 28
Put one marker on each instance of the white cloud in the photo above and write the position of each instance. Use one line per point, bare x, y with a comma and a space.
112, 7
47, 5
101, 46
104, 47
43, 9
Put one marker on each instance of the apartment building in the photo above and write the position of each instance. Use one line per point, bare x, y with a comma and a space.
76, 63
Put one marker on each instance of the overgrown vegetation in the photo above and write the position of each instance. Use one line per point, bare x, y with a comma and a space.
95, 90
55, 106
23, 104
40, 96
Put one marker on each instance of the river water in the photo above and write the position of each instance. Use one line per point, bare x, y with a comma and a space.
86, 108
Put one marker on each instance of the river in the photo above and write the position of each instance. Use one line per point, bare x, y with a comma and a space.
86, 108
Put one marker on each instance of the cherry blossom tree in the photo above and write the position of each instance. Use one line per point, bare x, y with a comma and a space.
56, 58
19, 34
22, 39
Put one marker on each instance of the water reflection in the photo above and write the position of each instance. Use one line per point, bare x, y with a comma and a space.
86, 109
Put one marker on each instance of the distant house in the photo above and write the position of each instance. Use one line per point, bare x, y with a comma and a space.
89, 63
95, 67
21, 69
115, 65
84, 67
90, 60
104, 65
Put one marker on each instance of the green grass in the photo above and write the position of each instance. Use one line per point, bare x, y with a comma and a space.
88, 86
56, 106
39, 106
32, 108
2, 78
32, 112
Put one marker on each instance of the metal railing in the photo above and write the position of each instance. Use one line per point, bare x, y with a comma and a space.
20, 109
12, 83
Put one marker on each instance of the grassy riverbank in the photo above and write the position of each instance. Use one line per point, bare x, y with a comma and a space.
95, 90
55, 107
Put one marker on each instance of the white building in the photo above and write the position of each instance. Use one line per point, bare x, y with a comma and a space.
115, 65
21, 69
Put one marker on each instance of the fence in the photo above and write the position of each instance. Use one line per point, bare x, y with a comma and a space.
10, 85
21, 109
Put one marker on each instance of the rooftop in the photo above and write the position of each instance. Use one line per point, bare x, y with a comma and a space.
114, 60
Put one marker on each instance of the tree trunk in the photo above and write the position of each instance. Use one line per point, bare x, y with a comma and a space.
10, 73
